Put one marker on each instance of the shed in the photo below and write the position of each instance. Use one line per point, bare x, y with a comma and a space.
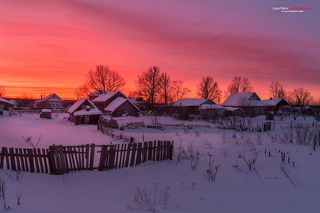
46, 113
189, 107
84, 112
122, 106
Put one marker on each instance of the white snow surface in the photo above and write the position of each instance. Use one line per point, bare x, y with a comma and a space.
248, 99
46, 110
58, 130
104, 97
117, 103
235, 190
92, 111
211, 106
238, 99
5, 101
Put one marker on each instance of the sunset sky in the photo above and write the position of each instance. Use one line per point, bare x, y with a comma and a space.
49, 46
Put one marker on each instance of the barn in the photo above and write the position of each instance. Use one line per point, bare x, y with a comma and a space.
186, 108
122, 106
102, 101
52, 101
84, 112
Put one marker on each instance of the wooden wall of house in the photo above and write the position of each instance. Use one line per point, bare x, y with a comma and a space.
93, 119
126, 107
4, 106
50, 104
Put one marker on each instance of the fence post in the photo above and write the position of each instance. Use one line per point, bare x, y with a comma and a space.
4, 152
51, 160
103, 155
92, 152
170, 151
31, 162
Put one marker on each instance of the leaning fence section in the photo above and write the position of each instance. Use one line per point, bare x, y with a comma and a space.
19, 159
129, 155
64, 159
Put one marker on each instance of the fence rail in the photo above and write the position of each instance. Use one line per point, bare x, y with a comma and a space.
63, 159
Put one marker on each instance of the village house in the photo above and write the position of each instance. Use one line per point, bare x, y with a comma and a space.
251, 103
5, 105
52, 101
84, 112
122, 107
102, 101
186, 108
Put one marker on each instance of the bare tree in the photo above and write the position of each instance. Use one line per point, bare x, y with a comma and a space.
104, 79
178, 91
208, 88
277, 90
300, 96
2, 91
239, 84
165, 88
149, 84
26, 100
82, 91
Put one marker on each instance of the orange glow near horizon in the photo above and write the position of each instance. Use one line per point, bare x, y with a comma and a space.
49, 46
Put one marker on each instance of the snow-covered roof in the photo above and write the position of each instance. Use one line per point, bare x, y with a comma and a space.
136, 100
104, 97
117, 103
5, 101
92, 111
46, 110
232, 109
241, 99
272, 102
52, 96
211, 106
190, 102
78, 103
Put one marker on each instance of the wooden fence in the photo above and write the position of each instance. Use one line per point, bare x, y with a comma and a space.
63, 159
18, 159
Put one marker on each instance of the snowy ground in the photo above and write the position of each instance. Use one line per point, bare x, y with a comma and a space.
236, 189
58, 130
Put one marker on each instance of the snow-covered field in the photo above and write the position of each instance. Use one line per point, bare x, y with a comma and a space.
273, 186
58, 130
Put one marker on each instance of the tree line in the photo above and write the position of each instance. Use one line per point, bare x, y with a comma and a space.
159, 87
